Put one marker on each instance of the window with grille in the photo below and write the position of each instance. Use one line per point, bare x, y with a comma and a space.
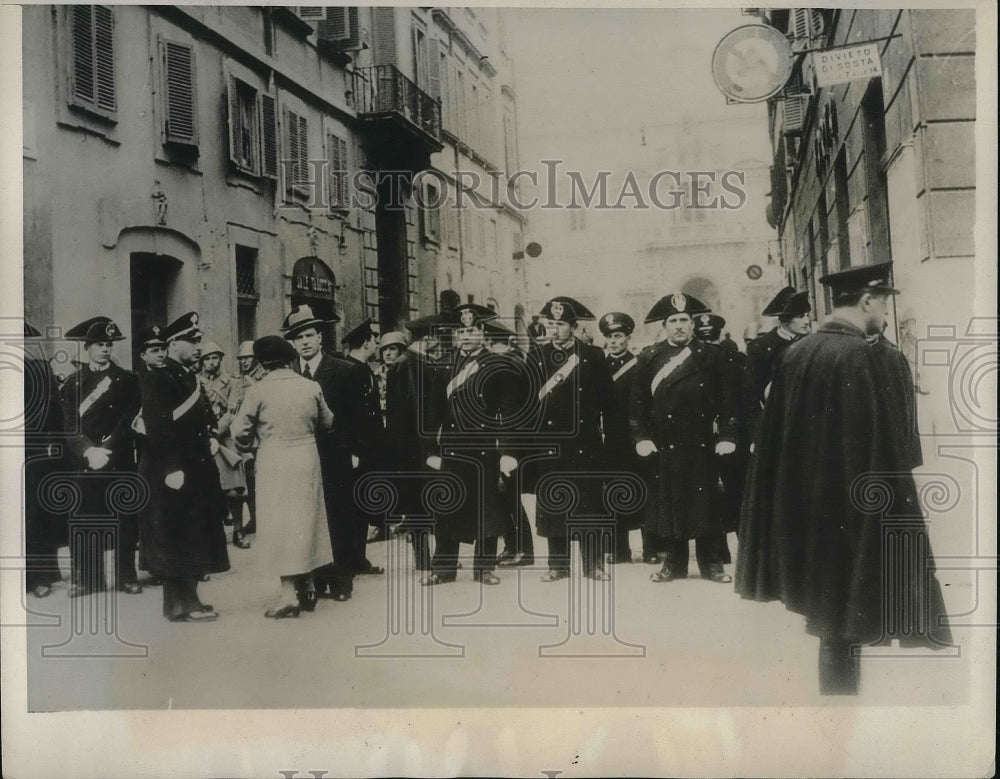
247, 293
336, 158
253, 131
180, 127
92, 75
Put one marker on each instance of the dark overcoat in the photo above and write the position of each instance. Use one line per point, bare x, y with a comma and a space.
412, 419
43, 454
472, 444
763, 355
679, 406
617, 436
833, 457
182, 531
573, 406
98, 409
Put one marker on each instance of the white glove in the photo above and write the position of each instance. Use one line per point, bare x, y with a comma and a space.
434, 462
751, 448
213, 446
507, 464
725, 447
354, 461
97, 457
174, 480
645, 448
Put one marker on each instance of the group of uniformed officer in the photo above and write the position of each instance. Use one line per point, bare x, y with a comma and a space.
459, 397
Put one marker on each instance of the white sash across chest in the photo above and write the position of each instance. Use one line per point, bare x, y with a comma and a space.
461, 377
669, 367
559, 376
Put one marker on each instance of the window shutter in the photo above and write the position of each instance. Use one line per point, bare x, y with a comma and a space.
794, 114
93, 81
104, 23
235, 122
336, 156
268, 136
434, 68
83, 53
292, 148
311, 12
335, 26
385, 35
179, 89
303, 158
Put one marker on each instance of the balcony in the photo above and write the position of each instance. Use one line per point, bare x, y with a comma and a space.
403, 122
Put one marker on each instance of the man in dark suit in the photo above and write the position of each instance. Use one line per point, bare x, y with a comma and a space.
680, 394
184, 539
100, 402
362, 431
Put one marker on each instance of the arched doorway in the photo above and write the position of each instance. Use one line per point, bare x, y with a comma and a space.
313, 285
152, 283
703, 289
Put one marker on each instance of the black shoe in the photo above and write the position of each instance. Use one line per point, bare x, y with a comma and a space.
485, 577
250, 528
505, 555
433, 578
307, 601
554, 575
599, 575
652, 559
240, 541
132, 588
283, 613
718, 576
515, 560
204, 578
666, 575
42, 590
371, 570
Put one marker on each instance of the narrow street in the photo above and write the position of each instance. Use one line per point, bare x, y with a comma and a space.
686, 643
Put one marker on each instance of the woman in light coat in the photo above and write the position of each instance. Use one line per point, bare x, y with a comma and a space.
283, 412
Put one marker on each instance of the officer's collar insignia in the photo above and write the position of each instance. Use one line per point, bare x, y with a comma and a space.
679, 302
557, 310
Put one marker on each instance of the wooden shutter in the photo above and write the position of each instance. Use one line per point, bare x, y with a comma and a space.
311, 12
384, 24
336, 156
234, 120
335, 26
93, 77
179, 94
303, 159
794, 114
268, 136
297, 153
434, 68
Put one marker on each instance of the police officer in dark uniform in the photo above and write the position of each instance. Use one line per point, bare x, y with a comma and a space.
764, 353
681, 393
100, 402
472, 450
617, 328
576, 396
184, 538
515, 421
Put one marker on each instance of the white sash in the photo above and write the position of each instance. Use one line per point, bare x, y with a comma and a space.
624, 369
187, 405
669, 367
558, 377
462, 377
102, 386
139, 424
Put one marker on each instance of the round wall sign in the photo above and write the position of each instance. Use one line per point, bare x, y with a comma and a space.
533, 249
752, 63
755, 272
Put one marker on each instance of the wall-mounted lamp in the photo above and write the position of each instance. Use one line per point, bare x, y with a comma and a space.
342, 239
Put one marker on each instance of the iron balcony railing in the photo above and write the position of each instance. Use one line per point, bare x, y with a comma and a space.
381, 90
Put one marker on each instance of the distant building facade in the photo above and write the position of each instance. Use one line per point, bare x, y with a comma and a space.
239, 161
